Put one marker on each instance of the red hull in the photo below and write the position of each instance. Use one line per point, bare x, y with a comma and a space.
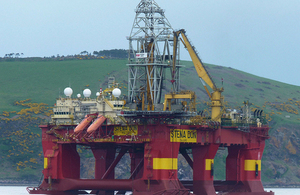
154, 151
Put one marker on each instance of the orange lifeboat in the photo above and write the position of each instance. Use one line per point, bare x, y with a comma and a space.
83, 124
96, 124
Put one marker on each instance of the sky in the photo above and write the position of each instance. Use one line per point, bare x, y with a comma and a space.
261, 37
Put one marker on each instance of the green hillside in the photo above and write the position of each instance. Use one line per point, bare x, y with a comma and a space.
42, 81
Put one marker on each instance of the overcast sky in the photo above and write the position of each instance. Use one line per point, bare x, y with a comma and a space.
261, 37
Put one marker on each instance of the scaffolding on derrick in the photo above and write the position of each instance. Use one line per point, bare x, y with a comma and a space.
150, 54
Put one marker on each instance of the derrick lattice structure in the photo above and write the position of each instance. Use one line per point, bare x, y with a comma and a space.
150, 47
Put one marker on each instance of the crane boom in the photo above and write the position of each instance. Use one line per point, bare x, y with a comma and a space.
215, 96
175, 44
201, 71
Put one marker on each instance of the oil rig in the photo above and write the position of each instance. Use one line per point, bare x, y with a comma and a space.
152, 127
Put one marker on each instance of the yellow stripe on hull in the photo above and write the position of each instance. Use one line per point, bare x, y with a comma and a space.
165, 163
250, 165
208, 163
45, 163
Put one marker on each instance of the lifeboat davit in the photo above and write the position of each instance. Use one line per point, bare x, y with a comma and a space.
83, 124
96, 124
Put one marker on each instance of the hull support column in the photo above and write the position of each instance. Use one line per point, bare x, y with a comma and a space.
203, 169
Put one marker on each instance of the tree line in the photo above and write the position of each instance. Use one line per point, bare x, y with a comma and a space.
112, 53
13, 55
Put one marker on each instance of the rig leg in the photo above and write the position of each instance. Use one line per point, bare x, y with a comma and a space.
61, 162
251, 168
104, 157
243, 166
203, 169
160, 170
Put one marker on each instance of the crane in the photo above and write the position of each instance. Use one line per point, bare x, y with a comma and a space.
216, 94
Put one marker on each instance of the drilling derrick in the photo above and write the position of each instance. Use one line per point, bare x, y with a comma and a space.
150, 43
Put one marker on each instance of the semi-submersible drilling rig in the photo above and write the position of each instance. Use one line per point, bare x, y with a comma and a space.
151, 130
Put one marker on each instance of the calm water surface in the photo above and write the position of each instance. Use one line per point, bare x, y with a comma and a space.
21, 190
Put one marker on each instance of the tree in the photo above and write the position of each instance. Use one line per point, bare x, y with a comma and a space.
84, 53
96, 53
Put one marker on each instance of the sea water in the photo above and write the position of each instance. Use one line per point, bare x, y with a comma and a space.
21, 190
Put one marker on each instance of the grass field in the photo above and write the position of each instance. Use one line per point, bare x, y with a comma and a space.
43, 81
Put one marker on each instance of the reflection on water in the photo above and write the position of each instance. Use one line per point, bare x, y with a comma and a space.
21, 190
284, 191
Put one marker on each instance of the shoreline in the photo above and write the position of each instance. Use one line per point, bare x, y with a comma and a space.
19, 185
33, 184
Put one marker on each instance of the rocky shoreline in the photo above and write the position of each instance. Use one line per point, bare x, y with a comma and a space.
9, 182
281, 186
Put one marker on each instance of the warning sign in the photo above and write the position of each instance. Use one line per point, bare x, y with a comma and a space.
125, 130
183, 135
